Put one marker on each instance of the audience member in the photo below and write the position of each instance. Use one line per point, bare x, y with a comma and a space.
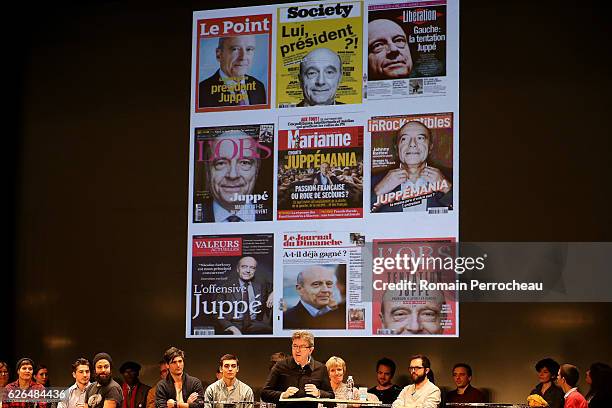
547, 372
567, 379
163, 372
41, 375
24, 382
105, 392
229, 388
134, 392
599, 377
422, 392
385, 390
75, 396
178, 390
4, 374
462, 375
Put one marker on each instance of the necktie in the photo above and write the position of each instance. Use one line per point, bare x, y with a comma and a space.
234, 218
245, 298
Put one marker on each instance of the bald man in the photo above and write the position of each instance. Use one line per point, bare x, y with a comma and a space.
413, 145
407, 314
388, 53
320, 75
256, 291
316, 308
231, 176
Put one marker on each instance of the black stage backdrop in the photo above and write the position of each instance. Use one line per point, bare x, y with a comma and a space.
97, 170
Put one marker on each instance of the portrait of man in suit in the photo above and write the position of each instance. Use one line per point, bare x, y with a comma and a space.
230, 85
256, 291
317, 308
234, 161
412, 146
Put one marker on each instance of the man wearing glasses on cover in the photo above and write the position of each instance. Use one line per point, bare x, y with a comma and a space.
299, 376
422, 393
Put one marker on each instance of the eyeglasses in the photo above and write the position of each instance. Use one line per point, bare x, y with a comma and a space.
414, 368
296, 347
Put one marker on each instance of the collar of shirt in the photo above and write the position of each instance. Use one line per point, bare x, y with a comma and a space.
569, 392
246, 213
229, 79
313, 311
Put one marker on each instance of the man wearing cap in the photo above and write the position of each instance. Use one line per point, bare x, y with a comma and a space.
178, 390
25, 369
134, 392
105, 392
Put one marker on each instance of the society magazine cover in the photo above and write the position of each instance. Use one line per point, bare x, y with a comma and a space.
231, 285
319, 54
233, 172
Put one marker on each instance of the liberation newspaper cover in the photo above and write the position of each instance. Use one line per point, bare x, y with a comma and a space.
412, 163
231, 285
407, 49
233, 63
320, 167
319, 54
408, 298
322, 274
233, 171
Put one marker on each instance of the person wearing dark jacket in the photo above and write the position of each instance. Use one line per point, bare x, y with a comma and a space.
298, 377
178, 390
547, 373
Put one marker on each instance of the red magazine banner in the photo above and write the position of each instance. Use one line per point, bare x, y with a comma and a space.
217, 246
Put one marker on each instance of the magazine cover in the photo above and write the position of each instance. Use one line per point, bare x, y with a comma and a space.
319, 54
231, 285
233, 63
233, 171
412, 163
401, 303
320, 167
407, 49
322, 274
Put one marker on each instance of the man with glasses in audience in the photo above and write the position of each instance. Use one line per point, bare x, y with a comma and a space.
422, 393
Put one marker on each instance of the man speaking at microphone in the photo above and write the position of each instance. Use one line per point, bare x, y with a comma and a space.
299, 376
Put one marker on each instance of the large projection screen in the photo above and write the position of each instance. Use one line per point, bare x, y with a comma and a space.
322, 134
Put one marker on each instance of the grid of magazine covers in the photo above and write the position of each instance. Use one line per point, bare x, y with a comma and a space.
324, 135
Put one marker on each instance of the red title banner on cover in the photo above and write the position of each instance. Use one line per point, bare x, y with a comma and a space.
217, 246
232, 26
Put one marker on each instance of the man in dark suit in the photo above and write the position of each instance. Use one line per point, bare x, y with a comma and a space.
324, 176
315, 285
412, 145
257, 293
230, 85
235, 160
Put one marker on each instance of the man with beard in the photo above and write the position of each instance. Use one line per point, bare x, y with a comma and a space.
178, 390
134, 392
105, 392
421, 393
385, 390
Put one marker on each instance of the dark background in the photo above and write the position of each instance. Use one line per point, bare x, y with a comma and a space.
97, 153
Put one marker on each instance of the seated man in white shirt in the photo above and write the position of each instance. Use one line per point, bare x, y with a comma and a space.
422, 393
229, 388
